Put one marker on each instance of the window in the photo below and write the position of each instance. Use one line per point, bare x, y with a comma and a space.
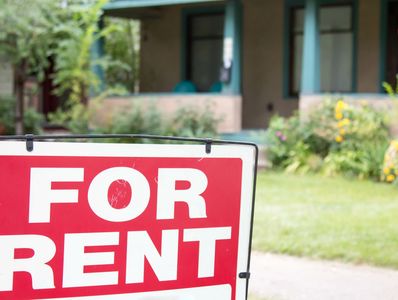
336, 48
204, 49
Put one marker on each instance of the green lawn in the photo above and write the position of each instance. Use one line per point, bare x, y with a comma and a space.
329, 218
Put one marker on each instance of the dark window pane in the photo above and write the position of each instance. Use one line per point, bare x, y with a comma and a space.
205, 48
210, 25
335, 18
206, 61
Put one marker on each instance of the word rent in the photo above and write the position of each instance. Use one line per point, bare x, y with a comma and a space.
140, 248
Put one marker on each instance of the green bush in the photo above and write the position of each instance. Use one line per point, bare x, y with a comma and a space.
390, 164
191, 122
32, 119
336, 138
186, 122
7, 116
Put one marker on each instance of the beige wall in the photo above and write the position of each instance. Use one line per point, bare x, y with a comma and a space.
263, 63
160, 51
368, 79
6, 78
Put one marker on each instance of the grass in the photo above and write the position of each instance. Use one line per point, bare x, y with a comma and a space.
328, 218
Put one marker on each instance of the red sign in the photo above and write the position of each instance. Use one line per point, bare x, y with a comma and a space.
94, 221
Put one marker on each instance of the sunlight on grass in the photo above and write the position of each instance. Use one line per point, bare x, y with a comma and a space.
330, 218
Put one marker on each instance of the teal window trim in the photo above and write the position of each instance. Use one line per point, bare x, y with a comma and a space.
288, 8
186, 13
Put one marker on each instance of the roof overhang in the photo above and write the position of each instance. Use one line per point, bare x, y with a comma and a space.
128, 4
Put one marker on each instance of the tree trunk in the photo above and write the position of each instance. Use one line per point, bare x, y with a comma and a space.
19, 91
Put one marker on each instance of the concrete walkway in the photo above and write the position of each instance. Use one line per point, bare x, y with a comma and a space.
279, 277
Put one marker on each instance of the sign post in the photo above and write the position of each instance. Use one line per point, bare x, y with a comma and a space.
125, 221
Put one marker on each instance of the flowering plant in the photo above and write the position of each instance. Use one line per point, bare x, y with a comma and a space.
390, 166
336, 138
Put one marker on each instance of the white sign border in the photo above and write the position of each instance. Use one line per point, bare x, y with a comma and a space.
245, 152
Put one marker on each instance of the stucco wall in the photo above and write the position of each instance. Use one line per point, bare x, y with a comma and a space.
160, 51
368, 79
263, 63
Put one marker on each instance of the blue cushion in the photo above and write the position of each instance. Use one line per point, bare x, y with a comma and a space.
216, 87
185, 86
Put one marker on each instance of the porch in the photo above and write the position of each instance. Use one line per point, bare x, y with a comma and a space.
264, 57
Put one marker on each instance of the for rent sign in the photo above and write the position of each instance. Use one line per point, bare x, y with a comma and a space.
114, 221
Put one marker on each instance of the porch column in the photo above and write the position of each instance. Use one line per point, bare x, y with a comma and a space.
232, 47
310, 76
97, 51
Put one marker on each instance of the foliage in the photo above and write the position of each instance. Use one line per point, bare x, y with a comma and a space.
25, 36
32, 119
336, 138
390, 166
77, 117
26, 41
193, 122
389, 88
122, 47
136, 121
77, 34
6, 116
74, 75
186, 122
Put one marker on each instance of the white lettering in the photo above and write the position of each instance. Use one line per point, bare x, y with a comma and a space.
98, 194
41, 273
75, 259
41, 194
140, 246
168, 194
207, 238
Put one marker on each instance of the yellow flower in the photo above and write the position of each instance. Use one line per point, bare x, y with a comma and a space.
395, 144
342, 131
339, 139
390, 178
386, 171
341, 105
342, 123
338, 115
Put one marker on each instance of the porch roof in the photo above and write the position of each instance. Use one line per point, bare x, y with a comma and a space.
126, 4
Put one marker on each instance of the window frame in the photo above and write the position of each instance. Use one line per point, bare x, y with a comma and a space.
290, 7
186, 50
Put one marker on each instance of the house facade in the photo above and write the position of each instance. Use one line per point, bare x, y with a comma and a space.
255, 58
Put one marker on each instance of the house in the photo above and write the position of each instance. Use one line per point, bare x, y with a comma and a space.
255, 58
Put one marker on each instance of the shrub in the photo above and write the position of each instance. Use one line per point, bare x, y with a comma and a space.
186, 122
32, 119
390, 166
361, 139
336, 138
136, 121
191, 122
